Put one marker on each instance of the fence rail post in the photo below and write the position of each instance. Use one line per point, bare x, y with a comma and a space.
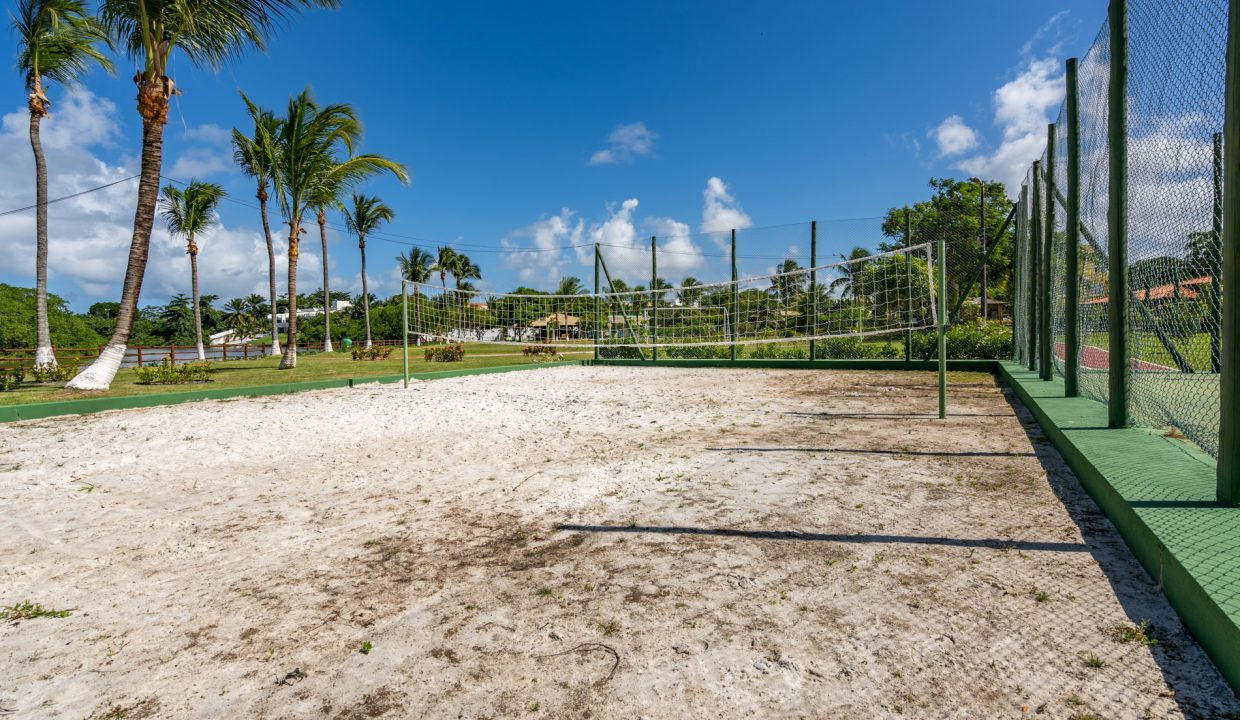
598, 328
654, 299
813, 287
1216, 260
1117, 218
404, 329
736, 295
1046, 361
908, 284
1072, 247
942, 290
1035, 264
1228, 492
1018, 281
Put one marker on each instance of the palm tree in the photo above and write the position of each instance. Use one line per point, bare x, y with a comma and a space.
188, 212
368, 214
445, 262
309, 139
786, 284
255, 305
463, 269
238, 317
569, 285
850, 270
256, 156
208, 32
57, 41
416, 268
689, 293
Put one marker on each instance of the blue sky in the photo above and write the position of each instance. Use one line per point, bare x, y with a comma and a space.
545, 124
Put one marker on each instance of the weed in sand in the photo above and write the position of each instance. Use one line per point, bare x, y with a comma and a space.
611, 627
1040, 596
1139, 633
1093, 661
27, 610
543, 592
366, 647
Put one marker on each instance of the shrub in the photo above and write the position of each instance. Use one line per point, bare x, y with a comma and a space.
540, 350
698, 352
856, 348
978, 340
375, 352
616, 353
51, 373
166, 373
774, 351
11, 377
452, 352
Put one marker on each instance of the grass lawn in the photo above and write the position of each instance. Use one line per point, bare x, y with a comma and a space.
264, 371
1195, 348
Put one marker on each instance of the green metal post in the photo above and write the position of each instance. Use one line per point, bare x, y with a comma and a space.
1229, 410
654, 299
1117, 218
1072, 247
908, 286
981, 244
942, 290
1018, 286
1216, 259
736, 295
1035, 263
598, 317
404, 319
1046, 363
813, 287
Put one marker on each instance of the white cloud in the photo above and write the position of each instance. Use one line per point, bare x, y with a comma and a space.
721, 212
541, 262
209, 153
954, 136
625, 143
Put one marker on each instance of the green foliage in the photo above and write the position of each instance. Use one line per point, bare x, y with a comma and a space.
27, 610
775, 351
17, 321
977, 340
856, 348
11, 377
694, 352
52, 373
541, 352
452, 352
166, 373
376, 352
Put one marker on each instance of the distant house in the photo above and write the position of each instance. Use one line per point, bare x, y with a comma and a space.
282, 318
226, 337
1162, 294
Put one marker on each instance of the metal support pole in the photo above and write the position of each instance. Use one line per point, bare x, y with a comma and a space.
1229, 410
404, 321
1035, 264
1046, 363
908, 287
981, 243
1216, 259
1018, 282
1072, 246
736, 295
1117, 218
654, 299
813, 288
942, 290
598, 301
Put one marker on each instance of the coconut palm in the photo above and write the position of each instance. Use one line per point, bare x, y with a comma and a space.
208, 32
57, 41
310, 140
238, 317
255, 154
569, 285
851, 268
189, 212
367, 215
689, 293
445, 262
416, 268
464, 270
787, 283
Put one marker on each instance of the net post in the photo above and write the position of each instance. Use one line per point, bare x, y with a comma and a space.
1228, 490
1072, 247
908, 285
941, 262
813, 287
736, 295
1117, 218
654, 299
981, 242
598, 328
1018, 269
1046, 364
1035, 262
1216, 260
404, 314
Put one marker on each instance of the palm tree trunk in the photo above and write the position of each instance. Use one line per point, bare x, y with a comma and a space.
193, 271
103, 370
327, 295
289, 361
271, 264
361, 244
43, 353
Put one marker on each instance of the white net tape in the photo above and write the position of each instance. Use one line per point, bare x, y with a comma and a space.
875, 295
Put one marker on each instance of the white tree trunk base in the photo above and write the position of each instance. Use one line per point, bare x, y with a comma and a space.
368, 344
45, 357
202, 354
275, 346
289, 360
327, 345
102, 371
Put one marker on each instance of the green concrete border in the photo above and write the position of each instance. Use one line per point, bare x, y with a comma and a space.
988, 366
1160, 494
36, 411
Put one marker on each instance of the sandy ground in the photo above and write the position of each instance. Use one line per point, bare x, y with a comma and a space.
577, 542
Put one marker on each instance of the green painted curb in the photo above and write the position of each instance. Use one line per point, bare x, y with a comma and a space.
832, 364
1160, 494
36, 411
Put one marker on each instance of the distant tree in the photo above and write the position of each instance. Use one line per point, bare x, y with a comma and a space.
787, 282
569, 285
690, 293
366, 215
257, 154
190, 212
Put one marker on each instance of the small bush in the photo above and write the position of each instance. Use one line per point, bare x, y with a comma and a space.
773, 351
375, 352
536, 350
697, 352
452, 352
51, 373
11, 377
856, 348
977, 340
166, 373
618, 353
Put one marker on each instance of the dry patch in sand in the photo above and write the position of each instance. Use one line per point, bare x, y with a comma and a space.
577, 542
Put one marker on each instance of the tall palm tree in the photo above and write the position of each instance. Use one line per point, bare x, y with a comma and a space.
850, 271
310, 140
445, 262
416, 268
208, 32
569, 285
786, 284
189, 212
256, 156
238, 317
689, 293
463, 270
57, 41
367, 215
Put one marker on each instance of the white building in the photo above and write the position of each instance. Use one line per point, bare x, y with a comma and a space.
282, 318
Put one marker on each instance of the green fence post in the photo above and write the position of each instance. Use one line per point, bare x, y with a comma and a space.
813, 288
654, 300
1018, 286
598, 318
942, 290
981, 244
908, 284
736, 295
1035, 264
1046, 362
1229, 410
1117, 218
1072, 248
404, 317
1216, 259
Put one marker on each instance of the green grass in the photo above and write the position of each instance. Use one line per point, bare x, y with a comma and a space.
264, 371
27, 610
1194, 348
